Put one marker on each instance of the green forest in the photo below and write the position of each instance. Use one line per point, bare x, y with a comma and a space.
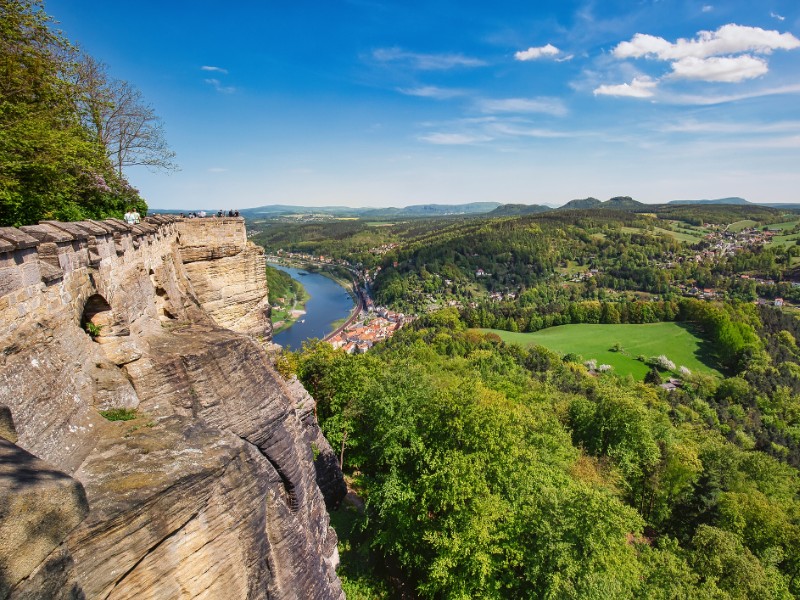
493, 471
68, 129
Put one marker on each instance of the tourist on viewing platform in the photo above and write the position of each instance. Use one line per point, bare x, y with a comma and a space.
220, 213
230, 213
201, 214
132, 217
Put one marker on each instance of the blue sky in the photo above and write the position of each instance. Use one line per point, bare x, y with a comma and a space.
378, 103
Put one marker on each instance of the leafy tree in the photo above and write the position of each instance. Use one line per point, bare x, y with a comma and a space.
51, 166
116, 115
653, 377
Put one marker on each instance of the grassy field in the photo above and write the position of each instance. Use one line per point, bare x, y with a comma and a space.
677, 340
681, 236
787, 239
785, 225
740, 225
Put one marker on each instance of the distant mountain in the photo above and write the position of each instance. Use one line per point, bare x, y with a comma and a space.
623, 203
780, 206
516, 210
733, 200
472, 208
616, 203
582, 204
277, 210
413, 211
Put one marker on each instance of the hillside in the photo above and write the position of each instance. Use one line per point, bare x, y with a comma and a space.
581, 204
516, 210
616, 203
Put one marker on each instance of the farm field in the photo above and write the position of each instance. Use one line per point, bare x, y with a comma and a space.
676, 340
785, 239
681, 236
740, 225
785, 225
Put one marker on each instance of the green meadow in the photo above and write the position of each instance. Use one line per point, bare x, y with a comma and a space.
740, 225
678, 341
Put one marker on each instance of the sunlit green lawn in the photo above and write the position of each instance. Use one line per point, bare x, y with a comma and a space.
678, 341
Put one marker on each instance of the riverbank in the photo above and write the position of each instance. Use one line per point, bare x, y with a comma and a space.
292, 308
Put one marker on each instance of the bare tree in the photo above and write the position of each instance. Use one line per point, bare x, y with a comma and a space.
122, 122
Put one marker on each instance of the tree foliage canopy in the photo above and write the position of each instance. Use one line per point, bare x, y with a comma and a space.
493, 471
53, 163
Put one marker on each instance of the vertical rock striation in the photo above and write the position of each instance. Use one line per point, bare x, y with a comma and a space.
212, 490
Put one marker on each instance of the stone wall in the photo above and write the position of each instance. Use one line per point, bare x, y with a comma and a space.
210, 491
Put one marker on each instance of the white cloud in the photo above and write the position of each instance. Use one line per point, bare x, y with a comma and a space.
426, 62
431, 91
728, 39
640, 87
454, 139
724, 69
707, 8
521, 131
549, 106
716, 127
217, 85
535, 53
725, 55
722, 99
214, 69
775, 15
218, 170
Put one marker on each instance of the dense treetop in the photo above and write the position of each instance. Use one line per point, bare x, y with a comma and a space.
66, 128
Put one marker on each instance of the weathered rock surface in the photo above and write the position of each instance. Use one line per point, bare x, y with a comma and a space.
39, 506
228, 277
212, 490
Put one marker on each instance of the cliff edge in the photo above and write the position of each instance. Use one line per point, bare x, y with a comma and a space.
210, 488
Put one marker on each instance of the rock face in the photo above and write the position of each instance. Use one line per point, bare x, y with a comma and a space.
213, 489
228, 277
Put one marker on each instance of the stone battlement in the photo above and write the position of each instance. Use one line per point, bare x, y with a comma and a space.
51, 266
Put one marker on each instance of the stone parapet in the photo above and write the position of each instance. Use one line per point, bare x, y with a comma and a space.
53, 266
56, 266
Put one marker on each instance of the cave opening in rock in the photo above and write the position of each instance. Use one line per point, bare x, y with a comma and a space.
97, 317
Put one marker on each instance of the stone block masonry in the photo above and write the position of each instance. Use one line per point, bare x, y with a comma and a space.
211, 489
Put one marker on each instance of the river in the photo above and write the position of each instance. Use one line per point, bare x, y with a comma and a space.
329, 303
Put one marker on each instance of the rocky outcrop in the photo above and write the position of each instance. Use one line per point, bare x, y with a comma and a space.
211, 491
228, 276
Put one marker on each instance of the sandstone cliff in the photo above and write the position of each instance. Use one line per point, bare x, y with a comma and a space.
211, 490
